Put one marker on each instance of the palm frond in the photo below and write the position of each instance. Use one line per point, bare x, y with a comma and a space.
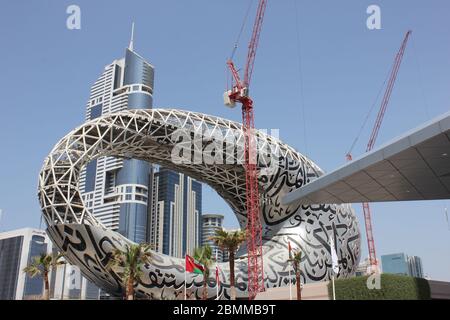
130, 261
229, 241
42, 263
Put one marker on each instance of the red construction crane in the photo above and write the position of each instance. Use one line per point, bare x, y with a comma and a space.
240, 93
373, 137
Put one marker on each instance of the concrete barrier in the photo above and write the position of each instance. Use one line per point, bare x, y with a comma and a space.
440, 290
313, 291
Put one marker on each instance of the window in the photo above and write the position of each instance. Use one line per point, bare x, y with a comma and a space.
96, 111
146, 89
91, 170
128, 197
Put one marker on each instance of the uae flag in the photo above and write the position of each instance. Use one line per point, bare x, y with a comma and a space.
192, 266
290, 250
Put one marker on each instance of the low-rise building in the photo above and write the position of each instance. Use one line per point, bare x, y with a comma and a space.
17, 250
402, 264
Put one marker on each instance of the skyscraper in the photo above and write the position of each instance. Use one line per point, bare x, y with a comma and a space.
17, 249
210, 224
415, 267
176, 214
117, 190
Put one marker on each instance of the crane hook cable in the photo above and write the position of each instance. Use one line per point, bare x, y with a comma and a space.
300, 71
420, 79
244, 22
374, 104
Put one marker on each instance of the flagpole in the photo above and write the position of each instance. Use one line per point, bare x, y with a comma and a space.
185, 282
290, 284
217, 278
289, 267
334, 292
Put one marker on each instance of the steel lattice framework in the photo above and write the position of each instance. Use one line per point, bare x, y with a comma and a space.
156, 136
140, 134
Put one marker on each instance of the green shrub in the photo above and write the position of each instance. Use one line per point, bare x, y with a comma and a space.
393, 287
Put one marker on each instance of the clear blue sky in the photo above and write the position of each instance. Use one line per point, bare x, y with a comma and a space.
47, 71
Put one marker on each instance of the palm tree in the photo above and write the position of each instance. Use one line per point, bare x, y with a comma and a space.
230, 241
131, 262
203, 256
41, 266
296, 259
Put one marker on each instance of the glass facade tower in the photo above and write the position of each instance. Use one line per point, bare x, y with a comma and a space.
176, 214
415, 266
118, 191
400, 263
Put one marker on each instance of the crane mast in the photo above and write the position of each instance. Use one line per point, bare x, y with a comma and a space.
240, 93
373, 137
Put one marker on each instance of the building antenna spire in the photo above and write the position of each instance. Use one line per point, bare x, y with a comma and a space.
131, 46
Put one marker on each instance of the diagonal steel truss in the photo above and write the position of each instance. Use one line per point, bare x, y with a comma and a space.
146, 135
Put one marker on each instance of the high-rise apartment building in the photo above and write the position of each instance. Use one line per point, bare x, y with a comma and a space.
17, 250
118, 191
176, 215
163, 208
210, 224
